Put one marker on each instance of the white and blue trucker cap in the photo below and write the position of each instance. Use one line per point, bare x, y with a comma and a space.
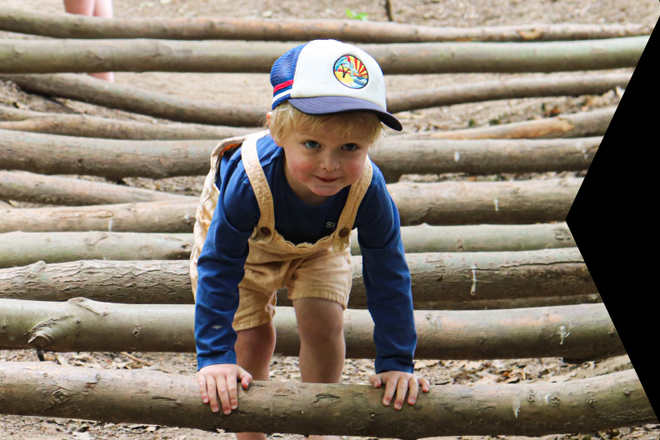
327, 76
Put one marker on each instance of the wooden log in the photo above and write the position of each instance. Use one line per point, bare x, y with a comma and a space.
580, 333
506, 202
395, 156
128, 396
439, 280
37, 188
137, 100
574, 85
141, 55
398, 157
106, 128
125, 217
175, 108
23, 248
590, 123
204, 28
443, 203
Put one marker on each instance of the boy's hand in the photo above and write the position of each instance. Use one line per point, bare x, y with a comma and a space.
221, 380
399, 383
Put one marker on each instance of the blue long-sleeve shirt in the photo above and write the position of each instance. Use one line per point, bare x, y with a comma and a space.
222, 260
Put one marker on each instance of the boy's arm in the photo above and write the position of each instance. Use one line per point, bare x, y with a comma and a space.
389, 296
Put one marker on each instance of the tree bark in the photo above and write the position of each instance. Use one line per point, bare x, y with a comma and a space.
23, 248
45, 56
395, 157
95, 127
439, 280
591, 84
125, 217
527, 409
204, 28
137, 100
443, 203
162, 105
36, 188
113, 159
482, 157
590, 123
463, 203
579, 333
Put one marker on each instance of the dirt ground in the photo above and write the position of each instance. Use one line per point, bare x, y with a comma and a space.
255, 89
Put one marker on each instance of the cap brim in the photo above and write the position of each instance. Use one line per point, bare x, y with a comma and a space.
327, 105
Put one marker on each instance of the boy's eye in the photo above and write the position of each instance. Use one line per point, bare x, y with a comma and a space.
350, 147
312, 144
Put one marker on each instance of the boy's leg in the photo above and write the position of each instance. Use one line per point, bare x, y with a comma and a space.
322, 344
254, 350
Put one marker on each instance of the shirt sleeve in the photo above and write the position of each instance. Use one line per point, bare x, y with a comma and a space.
220, 269
386, 278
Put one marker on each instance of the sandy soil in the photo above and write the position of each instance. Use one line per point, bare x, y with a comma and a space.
255, 89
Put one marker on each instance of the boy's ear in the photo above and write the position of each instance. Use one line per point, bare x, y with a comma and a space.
268, 115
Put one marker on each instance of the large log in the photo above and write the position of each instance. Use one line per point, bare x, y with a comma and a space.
577, 332
128, 396
205, 28
96, 127
548, 85
140, 55
36, 188
589, 123
137, 100
162, 105
395, 156
23, 248
439, 280
443, 203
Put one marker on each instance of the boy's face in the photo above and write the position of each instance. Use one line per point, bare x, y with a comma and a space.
319, 163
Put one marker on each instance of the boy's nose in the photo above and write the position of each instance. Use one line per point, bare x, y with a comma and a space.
329, 163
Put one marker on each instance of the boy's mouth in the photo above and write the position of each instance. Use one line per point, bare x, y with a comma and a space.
327, 180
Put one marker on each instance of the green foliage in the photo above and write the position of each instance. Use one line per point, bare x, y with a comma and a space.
357, 15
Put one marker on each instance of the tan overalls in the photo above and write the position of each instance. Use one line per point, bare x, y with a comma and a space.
319, 270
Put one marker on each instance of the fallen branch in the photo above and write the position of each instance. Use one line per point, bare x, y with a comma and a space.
23, 248
443, 203
590, 123
483, 157
175, 108
129, 396
141, 55
137, 100
36, 188
205, 28
396, 156
96, 127
590, 84
439, 280
583, 332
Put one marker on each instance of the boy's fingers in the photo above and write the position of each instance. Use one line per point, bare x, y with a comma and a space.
413, 391
375, 381
201, 381
401, 390
390, 389
211, 393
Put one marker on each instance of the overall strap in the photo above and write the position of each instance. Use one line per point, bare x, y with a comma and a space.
266, 227
347, 218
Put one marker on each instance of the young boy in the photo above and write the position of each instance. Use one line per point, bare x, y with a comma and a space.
279, 211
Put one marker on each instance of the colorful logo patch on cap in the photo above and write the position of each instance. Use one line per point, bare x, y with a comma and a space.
350, 71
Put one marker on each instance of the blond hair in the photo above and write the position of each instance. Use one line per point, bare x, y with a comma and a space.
285, 119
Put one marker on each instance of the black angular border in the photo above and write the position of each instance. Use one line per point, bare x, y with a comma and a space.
615, 223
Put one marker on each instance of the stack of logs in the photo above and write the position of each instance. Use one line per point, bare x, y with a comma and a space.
495, 271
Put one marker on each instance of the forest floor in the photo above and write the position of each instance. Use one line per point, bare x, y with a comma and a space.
255, 89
